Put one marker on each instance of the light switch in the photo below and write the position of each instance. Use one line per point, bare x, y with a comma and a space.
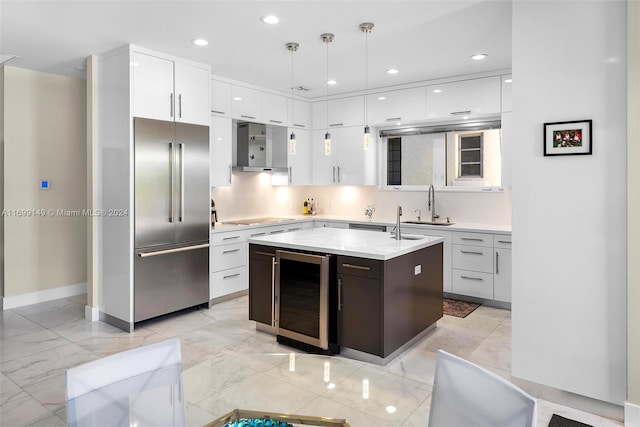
417, 269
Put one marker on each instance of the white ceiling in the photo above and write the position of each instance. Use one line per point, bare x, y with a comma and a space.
425, 39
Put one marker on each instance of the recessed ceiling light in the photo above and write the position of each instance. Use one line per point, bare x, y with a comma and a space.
331, 82
270, 19
381, 98
200, 42
237, 98
392, 71
479, 56
437, 91
508, 81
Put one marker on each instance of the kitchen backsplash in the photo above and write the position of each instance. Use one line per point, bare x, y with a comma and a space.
252, 195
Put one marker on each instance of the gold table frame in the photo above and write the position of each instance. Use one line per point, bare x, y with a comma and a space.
239, 414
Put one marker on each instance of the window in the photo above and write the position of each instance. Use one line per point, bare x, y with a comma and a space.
470, 155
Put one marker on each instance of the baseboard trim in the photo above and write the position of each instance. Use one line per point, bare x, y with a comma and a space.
631, 414
9, 303
572, 400
91, 314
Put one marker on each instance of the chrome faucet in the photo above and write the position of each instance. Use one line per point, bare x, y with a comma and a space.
398, 233
419, 212
431, 203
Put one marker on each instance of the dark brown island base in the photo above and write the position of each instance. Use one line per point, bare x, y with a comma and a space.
369, 308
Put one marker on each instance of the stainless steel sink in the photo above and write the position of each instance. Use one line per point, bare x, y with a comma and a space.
427, 223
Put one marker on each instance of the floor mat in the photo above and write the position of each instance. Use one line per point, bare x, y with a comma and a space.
558, 421
457, 308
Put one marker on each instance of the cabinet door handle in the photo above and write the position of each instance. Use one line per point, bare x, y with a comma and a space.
357, 267
504, 241
299, 125
217, 112
180, 106
170, 105
230, 168
274, 315
277, 231
455, 113
230, 237
339, 294
393, 119
230, 276
247, 117
472, 239
335, 124
275, 121
230, 251
471, 253
334, 174
472, 278
257, 234
338, 174
290, 174
497, 271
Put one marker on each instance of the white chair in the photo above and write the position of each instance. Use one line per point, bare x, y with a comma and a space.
126, 388
464, 394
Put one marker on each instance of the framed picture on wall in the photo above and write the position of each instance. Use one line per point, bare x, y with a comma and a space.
568, 138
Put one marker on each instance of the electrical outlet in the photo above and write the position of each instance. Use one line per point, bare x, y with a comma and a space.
417, 269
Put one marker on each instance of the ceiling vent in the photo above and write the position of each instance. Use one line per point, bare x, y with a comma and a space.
301, 88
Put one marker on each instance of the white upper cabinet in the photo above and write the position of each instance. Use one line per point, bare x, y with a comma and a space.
274, 109
246, 103
192, 100
342, 112
300, 162
506, 92
170, 90
348, 163
220, 134
464, 98
299, 114
405, 105
153, 96
220, 98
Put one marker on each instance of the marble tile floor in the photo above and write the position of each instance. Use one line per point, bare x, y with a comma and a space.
39, 342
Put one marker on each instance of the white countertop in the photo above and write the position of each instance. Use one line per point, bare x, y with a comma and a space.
357, 243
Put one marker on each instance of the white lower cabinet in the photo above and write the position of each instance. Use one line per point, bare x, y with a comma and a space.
502, 270
228, 262
472, 283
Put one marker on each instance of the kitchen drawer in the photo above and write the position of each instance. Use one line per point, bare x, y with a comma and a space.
354, 266
472, 283
474, 258
473, 239
225, 257
228, 237
502, 241
228, 281
428, 231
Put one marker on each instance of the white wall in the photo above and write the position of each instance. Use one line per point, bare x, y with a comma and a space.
44, 138
252, 195
569, 212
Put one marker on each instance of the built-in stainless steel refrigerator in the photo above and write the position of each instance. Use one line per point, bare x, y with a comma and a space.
171, 266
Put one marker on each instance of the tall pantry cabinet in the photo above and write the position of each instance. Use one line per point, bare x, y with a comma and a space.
134, 82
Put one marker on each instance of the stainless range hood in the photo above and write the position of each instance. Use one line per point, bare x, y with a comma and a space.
260, 147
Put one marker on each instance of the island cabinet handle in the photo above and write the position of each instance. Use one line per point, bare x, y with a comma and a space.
472, 278
339, 294
471, 252
357, 267
264, 253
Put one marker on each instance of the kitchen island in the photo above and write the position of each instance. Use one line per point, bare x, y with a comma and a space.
361, 293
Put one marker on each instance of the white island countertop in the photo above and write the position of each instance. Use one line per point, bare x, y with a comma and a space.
357, 243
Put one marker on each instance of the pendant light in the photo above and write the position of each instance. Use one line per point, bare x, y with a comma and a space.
292, 47
366, 28
327, 38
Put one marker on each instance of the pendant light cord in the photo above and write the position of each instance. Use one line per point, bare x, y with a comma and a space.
366, 75
327, 84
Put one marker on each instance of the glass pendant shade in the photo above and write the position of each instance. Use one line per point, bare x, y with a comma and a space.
367, 138
292, 143
327, 144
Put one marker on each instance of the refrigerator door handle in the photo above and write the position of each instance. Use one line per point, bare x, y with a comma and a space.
171, 179
172, 251
181, 216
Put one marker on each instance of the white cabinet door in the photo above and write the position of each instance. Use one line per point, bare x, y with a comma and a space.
464, 98
506, 92
153, 95
220, 98
395, 106
192, 94
300, 162
220, 132
502, 275
274, 109
506, 146
354, 164
299, 114
342, 112
323, 168
246, 103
